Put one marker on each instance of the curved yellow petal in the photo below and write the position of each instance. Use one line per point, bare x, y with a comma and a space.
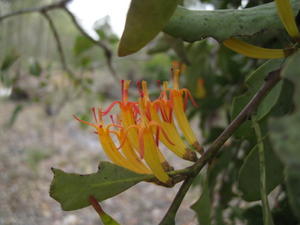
133, 158
183, 121
111, 151
286, 14
178, 147
152, 157
253, 51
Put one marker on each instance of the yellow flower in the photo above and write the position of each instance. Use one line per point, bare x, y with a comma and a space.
178, 98
140, 126
162, 105
286, 15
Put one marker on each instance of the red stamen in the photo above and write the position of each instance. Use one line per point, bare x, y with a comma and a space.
109, 108
153, 123
141, 142
94, 114
85, 122
112, 118
157, 137
140, 89
188, 93
99, 114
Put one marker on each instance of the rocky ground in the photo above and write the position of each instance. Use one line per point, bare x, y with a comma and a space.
37, 142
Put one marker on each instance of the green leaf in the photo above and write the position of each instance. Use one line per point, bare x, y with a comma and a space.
291, 66
285, 103
145, 19
253, 215
293, 187
73, 190
253, 83
18, 108
192, 25
81, 45
35, 69
202, 206
248, 180
9, 60
104, 31
283, 214
285, 136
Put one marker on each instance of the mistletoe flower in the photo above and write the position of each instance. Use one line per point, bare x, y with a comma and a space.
140, 126
162, 106
285, 12
178, 99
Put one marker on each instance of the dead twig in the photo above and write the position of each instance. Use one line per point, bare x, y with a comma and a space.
107, 51
56, 5
58, 43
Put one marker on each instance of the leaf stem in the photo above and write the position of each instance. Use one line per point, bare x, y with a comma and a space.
267, 216
270, 81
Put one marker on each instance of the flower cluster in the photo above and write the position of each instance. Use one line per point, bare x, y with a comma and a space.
141, 125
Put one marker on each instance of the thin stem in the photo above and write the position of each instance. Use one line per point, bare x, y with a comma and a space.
271, 80
107, 51
56, 5
58, 43
267, 217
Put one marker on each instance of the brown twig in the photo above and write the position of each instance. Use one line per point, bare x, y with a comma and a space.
58, 43
272, 79
107, 51
57, 5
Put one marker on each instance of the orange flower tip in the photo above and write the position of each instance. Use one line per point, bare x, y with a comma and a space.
198, 147
167, 167
190, 156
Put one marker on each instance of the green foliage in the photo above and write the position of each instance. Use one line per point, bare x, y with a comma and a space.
202, 206
81, 45
17, 110
249, 173
293, 187
9, 60
145, 19
285, 135
72, 190
253, 215
35, 69
253, 83
291, 67
104, 32
285, 103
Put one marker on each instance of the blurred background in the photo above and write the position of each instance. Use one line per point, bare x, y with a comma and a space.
59, 61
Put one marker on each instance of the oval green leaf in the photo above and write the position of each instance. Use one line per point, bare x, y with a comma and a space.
145, 19
73, 190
